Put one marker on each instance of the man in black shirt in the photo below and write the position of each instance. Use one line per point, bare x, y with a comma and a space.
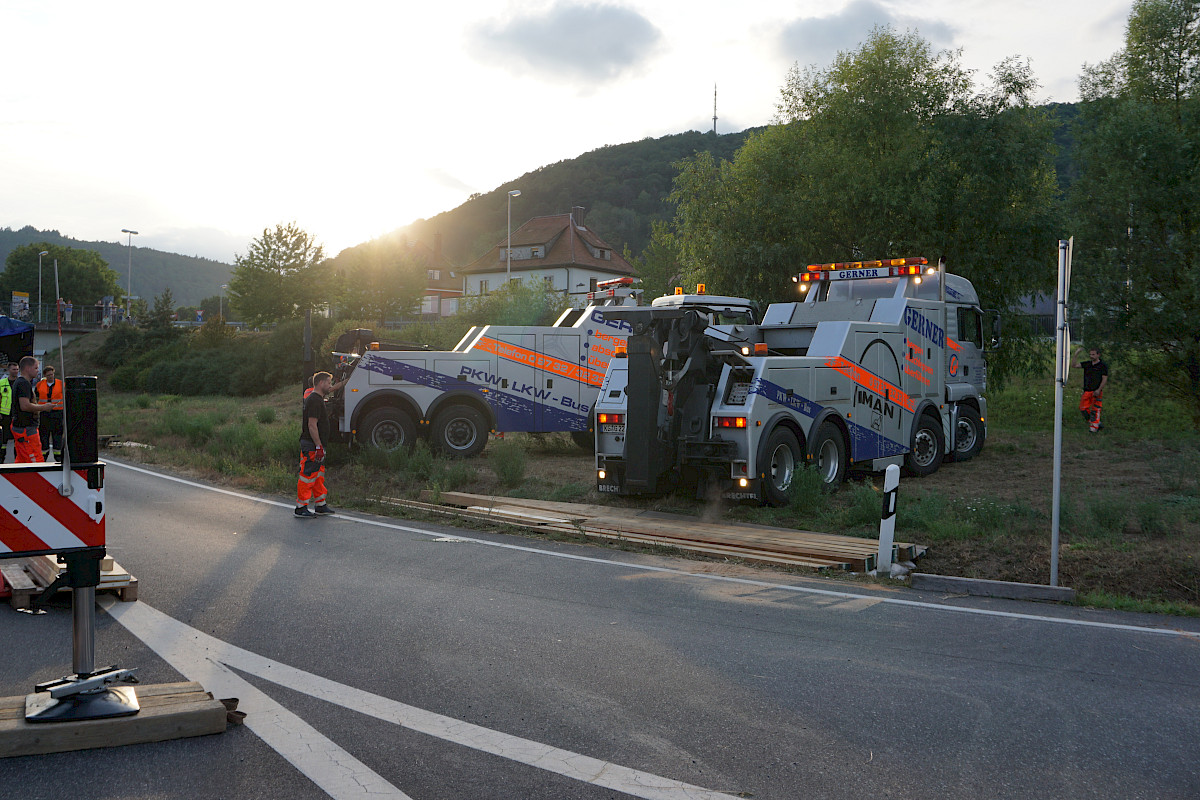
1095, 378
25, 414
314, 433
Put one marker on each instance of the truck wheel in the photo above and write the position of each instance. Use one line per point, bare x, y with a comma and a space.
388, 429
968, 438
460, 431
829, 455
927, 448
778, 467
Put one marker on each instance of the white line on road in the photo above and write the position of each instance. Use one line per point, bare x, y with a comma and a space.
703, 576
203, 658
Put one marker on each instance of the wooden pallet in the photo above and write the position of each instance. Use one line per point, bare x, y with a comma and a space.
168, 711
28, 577
749, 542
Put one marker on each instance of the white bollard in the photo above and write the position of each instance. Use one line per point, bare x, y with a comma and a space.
887, 521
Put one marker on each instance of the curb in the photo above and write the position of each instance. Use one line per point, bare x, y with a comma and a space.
985, 588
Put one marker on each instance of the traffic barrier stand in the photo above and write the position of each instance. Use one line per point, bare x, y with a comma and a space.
58, 509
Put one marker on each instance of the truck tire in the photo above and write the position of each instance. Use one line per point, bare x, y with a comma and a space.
829, 455
388, 429
968, 437
460, 431
777, 469
927, 448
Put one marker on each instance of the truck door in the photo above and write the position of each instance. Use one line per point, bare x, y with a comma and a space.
881, 411
562, 393
970, 366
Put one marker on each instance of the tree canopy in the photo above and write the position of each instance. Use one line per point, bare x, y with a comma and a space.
83, 276
379, 280
1136, 205
283, 274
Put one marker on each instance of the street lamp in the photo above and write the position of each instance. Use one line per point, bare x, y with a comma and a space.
221, 302
511, 195
43, 253
129, 285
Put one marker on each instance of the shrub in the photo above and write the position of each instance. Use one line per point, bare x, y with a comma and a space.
265, 415
507, 460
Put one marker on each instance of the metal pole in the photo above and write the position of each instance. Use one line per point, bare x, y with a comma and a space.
129, 283
509, 251
1063, 344
83, 630
43, 253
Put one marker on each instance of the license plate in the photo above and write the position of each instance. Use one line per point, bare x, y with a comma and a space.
612, 429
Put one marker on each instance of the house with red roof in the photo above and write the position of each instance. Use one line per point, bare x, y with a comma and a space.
557, 249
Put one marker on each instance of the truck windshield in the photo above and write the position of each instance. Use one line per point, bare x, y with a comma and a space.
729, 317
871, 289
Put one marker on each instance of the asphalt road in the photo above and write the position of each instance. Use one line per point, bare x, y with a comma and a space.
745, 682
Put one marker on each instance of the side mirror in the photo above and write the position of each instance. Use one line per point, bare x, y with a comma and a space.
992, 326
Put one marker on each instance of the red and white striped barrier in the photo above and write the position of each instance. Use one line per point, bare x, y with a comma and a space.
36, 518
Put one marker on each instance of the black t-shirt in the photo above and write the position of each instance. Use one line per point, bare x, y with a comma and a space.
23, 419
1092, 374
314, 408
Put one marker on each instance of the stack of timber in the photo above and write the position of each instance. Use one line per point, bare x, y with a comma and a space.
757, 543
168, 711
28, 577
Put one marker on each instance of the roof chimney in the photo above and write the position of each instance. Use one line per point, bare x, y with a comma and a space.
577, 213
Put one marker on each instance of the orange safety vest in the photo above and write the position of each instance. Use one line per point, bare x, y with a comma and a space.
44, 393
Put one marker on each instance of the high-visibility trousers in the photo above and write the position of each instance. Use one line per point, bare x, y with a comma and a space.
28, 445
311, 485
1090, 406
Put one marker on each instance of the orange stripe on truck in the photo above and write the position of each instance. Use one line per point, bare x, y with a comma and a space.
522, 355
871, 382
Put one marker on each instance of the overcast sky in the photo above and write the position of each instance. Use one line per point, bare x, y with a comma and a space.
199, 125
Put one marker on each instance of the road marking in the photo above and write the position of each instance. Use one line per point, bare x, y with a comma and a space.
206, 659
895, 601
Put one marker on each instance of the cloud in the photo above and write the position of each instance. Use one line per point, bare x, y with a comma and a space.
816, 40
570, 41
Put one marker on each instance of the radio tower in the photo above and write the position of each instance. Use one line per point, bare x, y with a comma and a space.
714, 109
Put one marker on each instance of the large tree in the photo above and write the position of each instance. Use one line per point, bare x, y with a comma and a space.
887, 152
379, 279
283, 274
1137, 201
83, 276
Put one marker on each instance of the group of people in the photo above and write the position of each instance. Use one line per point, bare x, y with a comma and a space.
31, 412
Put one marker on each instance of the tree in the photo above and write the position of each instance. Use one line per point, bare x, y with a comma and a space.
83, 276
1136, 205
887, 152
283, 274
379, 279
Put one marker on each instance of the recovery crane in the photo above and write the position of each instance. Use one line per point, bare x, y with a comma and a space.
881, 363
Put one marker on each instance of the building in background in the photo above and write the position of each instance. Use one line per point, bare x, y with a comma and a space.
557, 249
443, 284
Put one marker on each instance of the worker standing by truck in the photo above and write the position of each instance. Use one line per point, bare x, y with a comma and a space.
1095, 378
49, 390
25, 415
314, 433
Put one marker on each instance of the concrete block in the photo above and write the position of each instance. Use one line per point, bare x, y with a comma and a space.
983, 588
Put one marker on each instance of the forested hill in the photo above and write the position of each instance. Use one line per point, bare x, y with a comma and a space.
622, 187
190, 278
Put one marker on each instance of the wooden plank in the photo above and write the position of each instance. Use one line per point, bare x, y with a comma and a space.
168, 711
21, 586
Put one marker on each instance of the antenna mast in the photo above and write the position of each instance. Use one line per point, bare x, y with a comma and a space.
714, 108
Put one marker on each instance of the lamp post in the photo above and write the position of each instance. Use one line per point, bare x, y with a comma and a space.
43, 253
221, 302
511, 195
129, 285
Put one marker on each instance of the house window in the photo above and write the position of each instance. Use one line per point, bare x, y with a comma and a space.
433, 274
592, 285
483, 287
535, 252
549, 279
429, 304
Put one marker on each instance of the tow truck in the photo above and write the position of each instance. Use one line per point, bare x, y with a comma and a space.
498, 378
882, 362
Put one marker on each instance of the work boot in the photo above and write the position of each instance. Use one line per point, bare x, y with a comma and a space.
303, 513
324, 509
